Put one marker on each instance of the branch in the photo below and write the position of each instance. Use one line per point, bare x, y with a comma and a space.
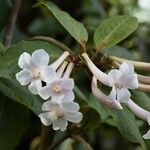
53, 146
11, 23
47, 136
51, 40
83, 141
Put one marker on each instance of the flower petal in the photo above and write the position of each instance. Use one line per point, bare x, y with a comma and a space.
147, 135
68, 96
130, 81
60, 124
24, 61
35, 87
50, 106
46, 118
48, 74
114, 76
24, 77
67, 83
40, 57
113, 94
44, 92
73, 116
123, 95
126, 68
70, 106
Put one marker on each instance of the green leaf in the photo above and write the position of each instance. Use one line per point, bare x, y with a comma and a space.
9, 67
113, 30
126, 124
91, 119
142, 99
14, 120
2, 49
75, 28
18, 93
9, 61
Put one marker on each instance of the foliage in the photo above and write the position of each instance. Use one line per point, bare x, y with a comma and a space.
102, 32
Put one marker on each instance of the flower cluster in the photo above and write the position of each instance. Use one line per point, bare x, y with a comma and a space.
120, 80
57, 90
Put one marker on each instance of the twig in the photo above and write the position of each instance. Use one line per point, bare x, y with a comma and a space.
52, 147
11, 23
47, 135
83, 141
51, 40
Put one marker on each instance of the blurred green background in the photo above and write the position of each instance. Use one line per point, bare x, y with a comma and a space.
36, 21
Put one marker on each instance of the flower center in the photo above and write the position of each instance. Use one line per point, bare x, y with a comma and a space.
57, 89
59, 113
37, 75
118, 86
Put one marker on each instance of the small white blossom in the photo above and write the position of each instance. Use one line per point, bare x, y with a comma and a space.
60, 89
35, 69
59, 114
121, 80
147, 135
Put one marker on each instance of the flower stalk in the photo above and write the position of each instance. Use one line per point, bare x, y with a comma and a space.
137, 64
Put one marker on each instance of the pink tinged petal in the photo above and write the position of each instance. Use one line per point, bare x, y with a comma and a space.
148, 118
68, 96
46, 118
147, 135
114, 77
123, 95
102, 97
130, 81
59, 61
48, 74
126, 68
57, 98
70, 106
60, 123
67, 83
113, 94
40, 57
24, 77
50, 106
35, 87
24, 61
137, 110
73, 116
45, 92
101, 76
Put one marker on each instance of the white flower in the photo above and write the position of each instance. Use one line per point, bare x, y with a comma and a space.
147, 135
121, 80
59, 114
60, 89
110, 102
35, 69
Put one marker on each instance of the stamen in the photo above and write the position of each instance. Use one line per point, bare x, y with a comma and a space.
57, 89
37, 75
